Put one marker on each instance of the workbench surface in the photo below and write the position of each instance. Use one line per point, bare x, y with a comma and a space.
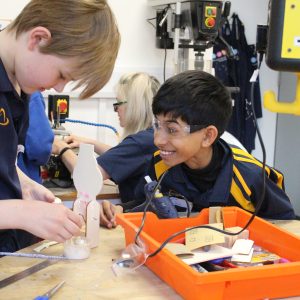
85, 279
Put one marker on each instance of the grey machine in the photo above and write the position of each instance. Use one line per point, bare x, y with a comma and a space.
184, 25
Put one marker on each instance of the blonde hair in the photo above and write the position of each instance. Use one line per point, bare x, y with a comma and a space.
138, 90
83, 29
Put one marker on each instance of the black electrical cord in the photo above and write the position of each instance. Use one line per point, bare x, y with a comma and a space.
165, 38
149, 21
147, 205
260, 59
177, 195
165, 58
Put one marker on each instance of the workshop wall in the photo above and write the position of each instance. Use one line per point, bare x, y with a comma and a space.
138, 53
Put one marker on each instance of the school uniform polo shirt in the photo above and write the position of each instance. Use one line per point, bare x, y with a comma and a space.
127, 163
13, 126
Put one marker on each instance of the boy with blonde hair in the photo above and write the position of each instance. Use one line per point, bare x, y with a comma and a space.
48, 45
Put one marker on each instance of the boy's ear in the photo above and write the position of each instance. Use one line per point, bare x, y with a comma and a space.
38, 37
210, 135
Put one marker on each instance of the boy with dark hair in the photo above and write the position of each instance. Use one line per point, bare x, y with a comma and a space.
48, 45
191, 111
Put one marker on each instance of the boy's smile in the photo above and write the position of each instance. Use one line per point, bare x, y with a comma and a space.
177, 145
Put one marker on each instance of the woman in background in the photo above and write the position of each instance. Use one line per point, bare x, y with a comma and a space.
125, 163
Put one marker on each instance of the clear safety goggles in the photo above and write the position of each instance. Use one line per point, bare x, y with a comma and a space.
132, 257
174, 130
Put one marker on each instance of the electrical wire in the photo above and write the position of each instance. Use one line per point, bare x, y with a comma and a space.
177, 195
260, 59
165, 44
147, 205
150, 19
165, 59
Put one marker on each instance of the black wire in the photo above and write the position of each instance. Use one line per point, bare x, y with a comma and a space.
259, 203
165, 59
186, 230
188, 212
146, 207
148, 20
260, 59
165, 44
177, 195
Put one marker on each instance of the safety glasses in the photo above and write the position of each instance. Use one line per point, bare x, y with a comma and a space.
117, 104
175, 130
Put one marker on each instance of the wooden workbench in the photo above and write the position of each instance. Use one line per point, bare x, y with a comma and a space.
92, 278
87, 279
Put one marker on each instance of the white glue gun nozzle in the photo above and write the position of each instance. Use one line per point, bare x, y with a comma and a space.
148, 179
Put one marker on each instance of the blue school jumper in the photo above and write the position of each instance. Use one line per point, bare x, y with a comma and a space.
239, 184
127, 162
13, 126
38, 141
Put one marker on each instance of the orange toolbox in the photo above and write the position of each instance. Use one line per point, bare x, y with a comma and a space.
257, 282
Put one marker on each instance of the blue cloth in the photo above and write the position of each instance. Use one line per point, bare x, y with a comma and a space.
39, 139
276, 204
127, 162
13, 126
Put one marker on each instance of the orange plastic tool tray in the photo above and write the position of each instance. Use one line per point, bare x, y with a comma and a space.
269, 281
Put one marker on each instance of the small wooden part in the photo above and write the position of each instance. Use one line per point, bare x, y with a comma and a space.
92, 223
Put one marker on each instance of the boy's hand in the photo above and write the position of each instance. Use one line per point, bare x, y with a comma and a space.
49, 221
32, 190
108, 213
35, 191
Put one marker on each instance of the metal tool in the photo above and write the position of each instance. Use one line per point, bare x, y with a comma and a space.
51, 292
18, 276
33, 255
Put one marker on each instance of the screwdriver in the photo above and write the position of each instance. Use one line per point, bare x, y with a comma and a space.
51, 292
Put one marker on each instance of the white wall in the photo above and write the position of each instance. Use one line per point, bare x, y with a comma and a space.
10, 9
138, 53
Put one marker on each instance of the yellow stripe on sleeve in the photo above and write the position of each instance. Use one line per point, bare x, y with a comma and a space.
241, 180
239, 197
241, 152
279, 178
252, 161
258, 163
